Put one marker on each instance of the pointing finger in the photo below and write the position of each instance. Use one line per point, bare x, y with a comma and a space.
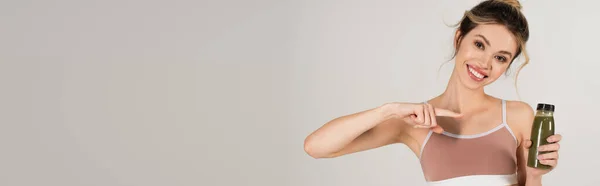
444, 112
438, 129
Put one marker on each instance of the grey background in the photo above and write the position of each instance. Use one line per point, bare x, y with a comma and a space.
148, 93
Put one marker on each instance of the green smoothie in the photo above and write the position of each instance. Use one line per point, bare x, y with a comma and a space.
543, 127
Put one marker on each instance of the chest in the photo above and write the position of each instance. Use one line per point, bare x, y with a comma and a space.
472, 124
450, 155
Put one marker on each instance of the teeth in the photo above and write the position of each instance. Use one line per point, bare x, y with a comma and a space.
477, 74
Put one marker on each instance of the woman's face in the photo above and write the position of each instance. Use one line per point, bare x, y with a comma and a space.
484, 55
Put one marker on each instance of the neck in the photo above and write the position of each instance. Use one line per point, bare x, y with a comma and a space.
459, 98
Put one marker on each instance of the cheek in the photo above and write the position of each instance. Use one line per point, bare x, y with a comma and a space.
465, 53
498, 70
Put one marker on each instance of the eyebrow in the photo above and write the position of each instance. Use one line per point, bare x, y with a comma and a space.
484, 39
488, 43
507, 53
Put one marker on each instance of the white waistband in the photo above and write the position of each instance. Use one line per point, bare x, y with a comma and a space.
478, 180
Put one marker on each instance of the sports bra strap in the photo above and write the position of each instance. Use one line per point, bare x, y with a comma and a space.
503, 111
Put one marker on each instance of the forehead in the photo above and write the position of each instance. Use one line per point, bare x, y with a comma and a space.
499, 36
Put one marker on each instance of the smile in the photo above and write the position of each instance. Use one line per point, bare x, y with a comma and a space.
476, 74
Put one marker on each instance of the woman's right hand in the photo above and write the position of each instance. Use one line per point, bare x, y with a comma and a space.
420, 115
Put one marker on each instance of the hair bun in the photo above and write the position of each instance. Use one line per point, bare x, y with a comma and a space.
514, 3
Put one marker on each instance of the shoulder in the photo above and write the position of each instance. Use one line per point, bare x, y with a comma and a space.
519, 109
519, 116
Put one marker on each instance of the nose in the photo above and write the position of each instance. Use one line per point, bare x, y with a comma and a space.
484, 62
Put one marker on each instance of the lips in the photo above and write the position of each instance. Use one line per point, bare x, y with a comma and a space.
476, 73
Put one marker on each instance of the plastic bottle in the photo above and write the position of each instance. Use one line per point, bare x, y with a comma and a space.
543, 127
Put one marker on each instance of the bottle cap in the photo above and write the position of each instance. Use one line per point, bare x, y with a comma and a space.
545, 107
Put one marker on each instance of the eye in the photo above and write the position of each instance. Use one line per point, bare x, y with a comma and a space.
479, 45
501, 58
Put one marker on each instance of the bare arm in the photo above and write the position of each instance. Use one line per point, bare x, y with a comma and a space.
533, 176
356, 132
521, 116
372, 128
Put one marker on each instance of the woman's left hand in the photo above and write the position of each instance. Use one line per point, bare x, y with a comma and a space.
550, 158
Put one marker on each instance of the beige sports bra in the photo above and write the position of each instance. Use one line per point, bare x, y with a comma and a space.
488, 158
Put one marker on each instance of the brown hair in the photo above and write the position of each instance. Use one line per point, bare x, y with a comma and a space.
503, 12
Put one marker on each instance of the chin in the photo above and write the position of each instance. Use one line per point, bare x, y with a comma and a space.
471, 85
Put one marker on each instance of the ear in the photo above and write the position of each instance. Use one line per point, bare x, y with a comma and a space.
457, 38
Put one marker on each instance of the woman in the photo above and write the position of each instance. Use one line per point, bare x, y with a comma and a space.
463, 136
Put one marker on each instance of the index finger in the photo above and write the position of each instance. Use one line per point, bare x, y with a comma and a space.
444, 112
438, 129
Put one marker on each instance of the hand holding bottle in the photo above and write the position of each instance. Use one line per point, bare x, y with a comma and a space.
543, 144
